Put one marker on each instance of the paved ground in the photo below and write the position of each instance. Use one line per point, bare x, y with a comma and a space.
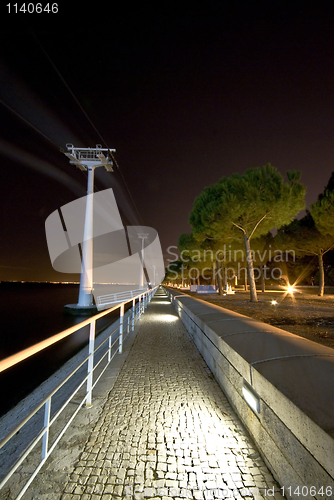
166, 429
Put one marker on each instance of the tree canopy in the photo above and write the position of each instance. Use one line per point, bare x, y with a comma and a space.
255, 202
304, 237
247, 206
323, 212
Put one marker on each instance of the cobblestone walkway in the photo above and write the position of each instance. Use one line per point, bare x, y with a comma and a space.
167, 430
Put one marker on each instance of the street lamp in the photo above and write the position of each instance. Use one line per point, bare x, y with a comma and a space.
87, 159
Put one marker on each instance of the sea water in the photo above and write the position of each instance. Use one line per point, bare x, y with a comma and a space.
30, 313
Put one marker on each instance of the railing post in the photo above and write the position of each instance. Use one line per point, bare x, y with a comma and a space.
109, 349
91, 348
139, 306
120, 339
133, 314
46, 427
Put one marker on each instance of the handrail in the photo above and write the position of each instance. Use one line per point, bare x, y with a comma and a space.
30, 351
43, 434
113, 298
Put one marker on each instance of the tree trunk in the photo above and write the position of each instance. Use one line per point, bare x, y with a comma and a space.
249, 258
223, 268
321, 274
263, 280
220, 288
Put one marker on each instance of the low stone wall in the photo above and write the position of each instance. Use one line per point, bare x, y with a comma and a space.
291, 380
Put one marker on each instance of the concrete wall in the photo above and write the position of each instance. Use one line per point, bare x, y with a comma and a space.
294, 381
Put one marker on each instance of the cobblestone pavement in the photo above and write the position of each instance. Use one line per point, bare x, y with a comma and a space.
167, 430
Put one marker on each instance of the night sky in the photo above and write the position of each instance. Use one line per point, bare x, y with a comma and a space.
186, 92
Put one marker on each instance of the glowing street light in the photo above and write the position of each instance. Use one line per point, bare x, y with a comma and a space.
88, 159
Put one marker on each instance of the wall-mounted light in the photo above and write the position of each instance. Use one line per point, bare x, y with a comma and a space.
251, 398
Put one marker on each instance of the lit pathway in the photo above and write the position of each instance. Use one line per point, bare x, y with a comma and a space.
167, 430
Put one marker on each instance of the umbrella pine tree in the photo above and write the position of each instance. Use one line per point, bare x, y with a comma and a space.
247, 206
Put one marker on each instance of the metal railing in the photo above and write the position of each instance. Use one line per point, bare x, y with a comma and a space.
113, 298
42, 436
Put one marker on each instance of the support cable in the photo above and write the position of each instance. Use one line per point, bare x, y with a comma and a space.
89, 119
28, 123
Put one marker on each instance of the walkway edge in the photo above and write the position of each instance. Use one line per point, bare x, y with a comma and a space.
244, 353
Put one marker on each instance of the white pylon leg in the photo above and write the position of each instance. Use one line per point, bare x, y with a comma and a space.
143, 237
86, 279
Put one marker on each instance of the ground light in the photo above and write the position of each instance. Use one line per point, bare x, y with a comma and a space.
167, 318
251, 398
